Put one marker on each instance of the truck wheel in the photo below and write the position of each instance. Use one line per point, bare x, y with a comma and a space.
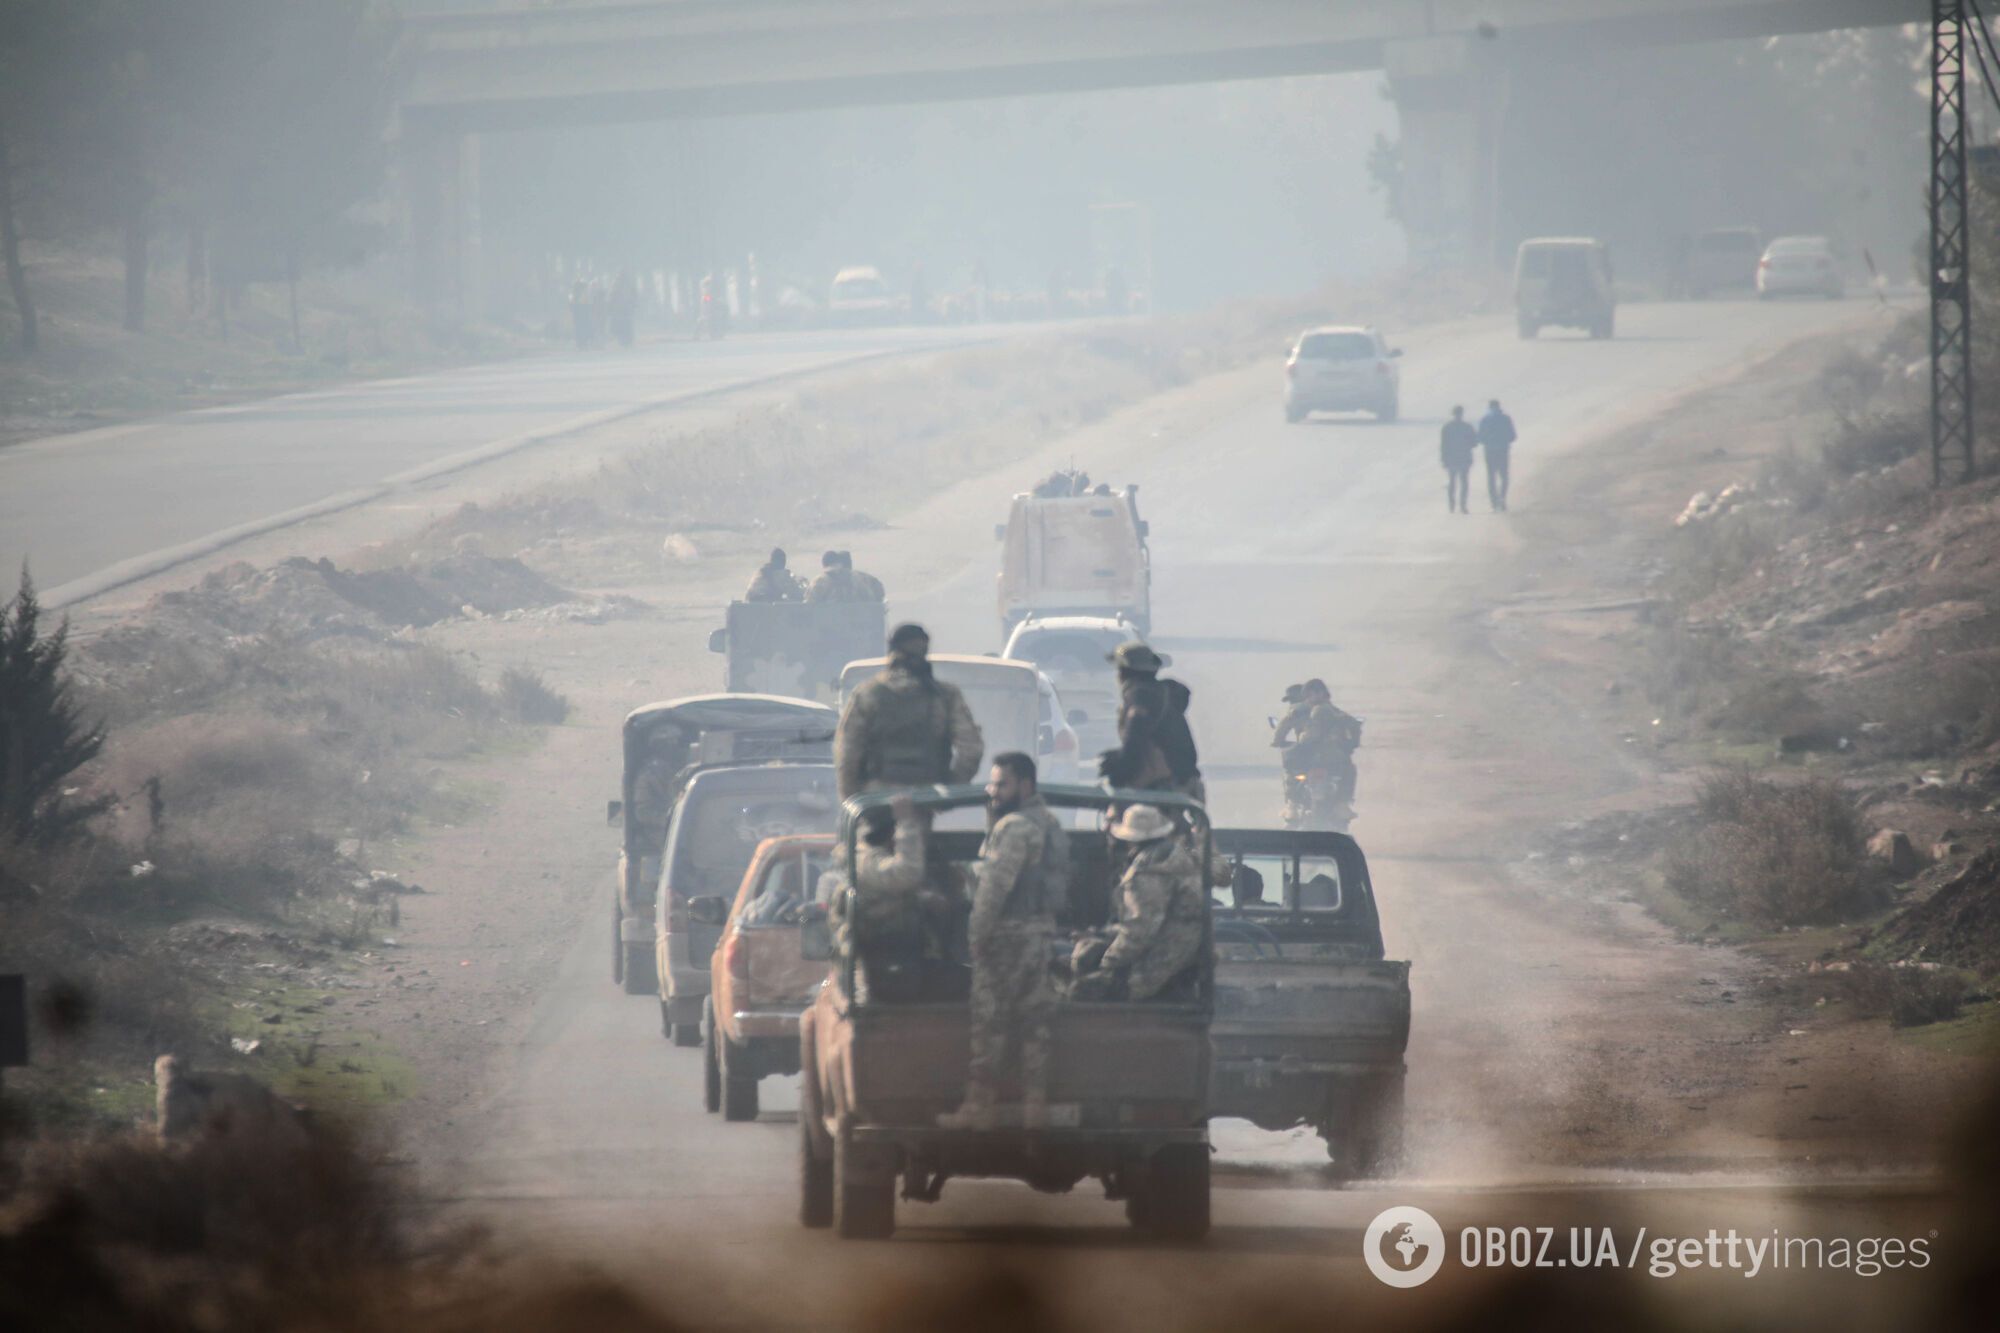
687, 1034
1176, 1198
1602, 329
617, 946
1389, 411
1294, 415
638, 969
862, 1209
1527, 328
1378, 1129
739, 1093
815, 1181
666, 1020
711, 1065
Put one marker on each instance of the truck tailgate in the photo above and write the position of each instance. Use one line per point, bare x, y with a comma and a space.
1312, 1010
1119, 1064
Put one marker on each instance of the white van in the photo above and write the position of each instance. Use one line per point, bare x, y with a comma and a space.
1077, 555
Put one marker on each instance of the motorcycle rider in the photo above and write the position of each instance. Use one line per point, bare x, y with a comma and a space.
1320, 736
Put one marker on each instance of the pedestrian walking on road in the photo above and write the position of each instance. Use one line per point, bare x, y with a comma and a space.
1455, 445
1496, 438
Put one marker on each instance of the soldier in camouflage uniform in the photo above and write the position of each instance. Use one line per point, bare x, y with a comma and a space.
885, 912
904, 727
774, 582
839, 581
1023, 876
1162, 915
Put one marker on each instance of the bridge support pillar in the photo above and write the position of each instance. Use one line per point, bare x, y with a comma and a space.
440, 170
1451, 96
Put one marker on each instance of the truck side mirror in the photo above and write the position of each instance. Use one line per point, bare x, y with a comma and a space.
1145, 529
718, 641
708, 910
1076, 717
1395, 351
614, 813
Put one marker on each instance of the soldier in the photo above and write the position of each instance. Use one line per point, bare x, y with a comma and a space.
870, 586
1330, 736
1496, 441
904, 727
1455, 445
1162, 911
1155, 747
774, 582
835, 582
1023, 877
881, 917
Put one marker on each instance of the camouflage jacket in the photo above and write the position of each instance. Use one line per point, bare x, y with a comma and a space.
1162, 912
1023, 872
844, 585
905, 729
774, 584
882, 900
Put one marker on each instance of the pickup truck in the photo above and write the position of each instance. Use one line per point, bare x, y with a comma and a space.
761, 976
1128, 1081
796, 648
1311, 1021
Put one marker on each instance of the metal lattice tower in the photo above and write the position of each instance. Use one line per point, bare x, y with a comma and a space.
1951, 293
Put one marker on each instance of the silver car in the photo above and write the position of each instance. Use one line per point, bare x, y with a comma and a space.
1342, 370
1800, 266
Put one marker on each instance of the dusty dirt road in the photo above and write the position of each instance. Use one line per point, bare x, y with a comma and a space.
1570, 1064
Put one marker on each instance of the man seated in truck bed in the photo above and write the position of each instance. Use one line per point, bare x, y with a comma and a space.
899, 913
1162, 911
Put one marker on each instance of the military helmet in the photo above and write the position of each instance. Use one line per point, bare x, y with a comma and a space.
1136, 656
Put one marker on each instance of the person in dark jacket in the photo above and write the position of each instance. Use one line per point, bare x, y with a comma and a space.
1155, 746
1455, 445
1496, 439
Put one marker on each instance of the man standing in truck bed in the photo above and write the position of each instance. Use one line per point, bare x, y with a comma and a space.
1023, 876
904, 727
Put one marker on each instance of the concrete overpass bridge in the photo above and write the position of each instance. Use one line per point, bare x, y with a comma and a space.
1447, 63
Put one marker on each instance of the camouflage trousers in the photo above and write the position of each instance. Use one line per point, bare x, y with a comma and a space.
1013, 1005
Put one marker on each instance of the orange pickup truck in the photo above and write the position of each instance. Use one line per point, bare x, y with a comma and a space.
760, 975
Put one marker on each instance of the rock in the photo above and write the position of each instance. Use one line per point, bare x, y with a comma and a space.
1892, 847
1944, 851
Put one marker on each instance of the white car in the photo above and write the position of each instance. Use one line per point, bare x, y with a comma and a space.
1073, 651
1343, 369
1800, 266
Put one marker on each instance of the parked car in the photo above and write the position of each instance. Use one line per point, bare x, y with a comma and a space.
662, 745
1084, 555
1074, 652
765, 972
1564, 281
721, 817
1724, 259
860, 296
1342, 369
1800, 266
1128, 1080
1311, 1021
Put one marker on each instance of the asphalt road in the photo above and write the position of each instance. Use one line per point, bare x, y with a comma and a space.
1280, 552
94, 509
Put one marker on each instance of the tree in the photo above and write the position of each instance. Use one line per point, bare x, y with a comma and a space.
43, 738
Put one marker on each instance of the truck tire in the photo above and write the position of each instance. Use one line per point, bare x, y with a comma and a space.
617, 946
1176, 1195
815, 1180
739, 1092
1378, 1129
666, 1020
711, 1063
1389, 411
687, 1034
863, 1209
640, 973
1603, 328
1527, 328
1294, 415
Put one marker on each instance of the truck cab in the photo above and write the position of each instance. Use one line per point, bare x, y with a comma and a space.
1128, 1081
1311, 1021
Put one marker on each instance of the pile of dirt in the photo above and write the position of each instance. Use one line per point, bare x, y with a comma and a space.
1959, 924
489, 586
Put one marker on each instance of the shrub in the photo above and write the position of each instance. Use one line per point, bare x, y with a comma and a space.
1911, 995
1773, 853
525, 696
43, 739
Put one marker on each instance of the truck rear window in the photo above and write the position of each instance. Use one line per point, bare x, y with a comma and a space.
1336, 347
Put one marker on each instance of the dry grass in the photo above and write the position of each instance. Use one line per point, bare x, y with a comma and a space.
1910, 995
525, 696
1776, 854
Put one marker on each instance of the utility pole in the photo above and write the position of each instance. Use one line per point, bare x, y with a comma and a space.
1950, 275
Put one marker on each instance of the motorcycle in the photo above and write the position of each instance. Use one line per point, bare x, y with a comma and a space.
1320, 798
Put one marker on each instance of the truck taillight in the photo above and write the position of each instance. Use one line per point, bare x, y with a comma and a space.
1065, 741
735, 958
1291, 370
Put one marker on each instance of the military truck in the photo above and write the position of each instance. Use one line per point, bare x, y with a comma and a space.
1128, 1081
1311, 1021
663, 744
796, 648
1075, 555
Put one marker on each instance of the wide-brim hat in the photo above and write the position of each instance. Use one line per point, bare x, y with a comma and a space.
1141, 823
1136, 656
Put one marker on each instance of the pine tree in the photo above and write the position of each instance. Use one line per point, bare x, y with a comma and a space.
43, 738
